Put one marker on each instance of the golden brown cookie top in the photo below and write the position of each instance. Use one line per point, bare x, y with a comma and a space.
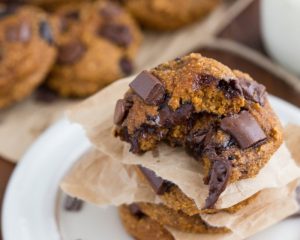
168, 14
24, 33
86, 24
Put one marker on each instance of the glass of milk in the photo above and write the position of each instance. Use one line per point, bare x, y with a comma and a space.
280, 21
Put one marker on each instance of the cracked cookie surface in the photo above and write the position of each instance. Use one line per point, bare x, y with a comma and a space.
27, 51
97, 45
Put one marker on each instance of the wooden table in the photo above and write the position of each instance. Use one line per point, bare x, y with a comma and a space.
235, 31
6, 169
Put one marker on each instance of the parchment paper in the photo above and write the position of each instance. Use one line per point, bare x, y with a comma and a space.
270, 207
22, 124
99, 179
173, 163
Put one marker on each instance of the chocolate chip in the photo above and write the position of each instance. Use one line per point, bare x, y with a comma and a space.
7, 10
231, 88
198, 138
117, 33
298, 194
45, 32
18, 33
218, 179
148, 87
45, 95
244, 128
201, 80
120, 111
159, 185
110, 10
168, 117
73, 15
71, 52
73, 204
208, 138
136, 211
126, 65
253, 91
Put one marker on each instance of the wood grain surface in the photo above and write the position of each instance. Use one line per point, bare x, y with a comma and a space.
6, 169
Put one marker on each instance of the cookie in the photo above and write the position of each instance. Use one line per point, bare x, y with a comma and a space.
27, 39
45, 4
169, 14
174, 198
140, 226
178, 220
221, 117
97, 45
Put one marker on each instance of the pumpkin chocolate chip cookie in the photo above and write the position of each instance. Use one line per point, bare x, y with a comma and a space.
221, 117
97, 44
150, 221
169, 14
178, 220
140, 226
27, 51
172, 197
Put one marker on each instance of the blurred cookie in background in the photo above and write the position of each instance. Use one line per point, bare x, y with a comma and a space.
97, 45
27, 51
46, 4
168, 14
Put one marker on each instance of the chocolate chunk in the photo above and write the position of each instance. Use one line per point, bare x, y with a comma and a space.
183, 113
298, 194
120, 111
67, 20
126, 65
165, 117
45, 95
168, 117
73, 204
18, 33
135, 210
201, 80
117, 33
73, 15
198, 138
110, 10
71, 52
8, 10
207, 144
218, 179
231, 88
148, 87
45, 32
253, 91
159, 185
244, 128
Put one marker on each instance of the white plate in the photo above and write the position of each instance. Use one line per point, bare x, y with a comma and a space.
32, 206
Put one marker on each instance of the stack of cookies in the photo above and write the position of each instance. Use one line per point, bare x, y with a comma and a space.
202, 138
221, 118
